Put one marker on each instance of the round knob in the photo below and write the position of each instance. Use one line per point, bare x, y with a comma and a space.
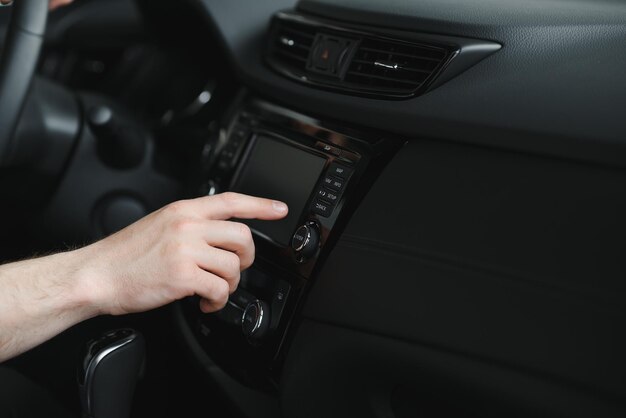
306, 240
256, 319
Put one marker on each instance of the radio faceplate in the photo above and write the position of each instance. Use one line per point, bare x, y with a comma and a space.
268, 152
321, 171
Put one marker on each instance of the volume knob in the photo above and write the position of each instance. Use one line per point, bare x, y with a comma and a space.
306, 240
255, 320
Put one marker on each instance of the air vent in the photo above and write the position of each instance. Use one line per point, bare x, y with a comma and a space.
291, 44
358, 60
393, 67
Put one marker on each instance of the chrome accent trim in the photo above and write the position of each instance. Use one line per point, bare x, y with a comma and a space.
389, 66
95, 362
259, 317
306, 240
286, 41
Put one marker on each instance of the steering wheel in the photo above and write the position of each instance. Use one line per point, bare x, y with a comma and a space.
17, 66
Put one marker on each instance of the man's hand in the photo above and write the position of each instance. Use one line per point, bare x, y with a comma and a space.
53, 3
187, 248
183, 249
58, 3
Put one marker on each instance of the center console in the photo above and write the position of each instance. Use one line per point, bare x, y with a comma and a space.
322, 171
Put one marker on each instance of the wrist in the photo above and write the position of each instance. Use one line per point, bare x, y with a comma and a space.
87, 289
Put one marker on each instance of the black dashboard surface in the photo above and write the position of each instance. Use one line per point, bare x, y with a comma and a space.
556, 87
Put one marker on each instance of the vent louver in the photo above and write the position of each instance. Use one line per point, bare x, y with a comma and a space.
353, 60
291, 45
393, 67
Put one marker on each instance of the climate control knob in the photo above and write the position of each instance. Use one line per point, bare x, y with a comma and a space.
256, 320
306, 240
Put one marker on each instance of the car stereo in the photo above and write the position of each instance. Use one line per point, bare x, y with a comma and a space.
304, 178
321, 171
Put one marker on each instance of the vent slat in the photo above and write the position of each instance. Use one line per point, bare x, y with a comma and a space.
291, 55
308, 35
291, 45
402, 68
399, 54
297, 49
305, 43
393, 66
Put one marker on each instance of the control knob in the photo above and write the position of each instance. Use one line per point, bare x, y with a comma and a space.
255, 321
306, 240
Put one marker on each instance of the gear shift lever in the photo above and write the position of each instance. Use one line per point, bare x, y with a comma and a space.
108, 373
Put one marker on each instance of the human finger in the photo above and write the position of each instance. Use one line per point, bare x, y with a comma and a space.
58, 3
224, 264
232, 236
235, 205
213, 291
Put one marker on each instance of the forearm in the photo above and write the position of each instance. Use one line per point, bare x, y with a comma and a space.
40, 298
184, 249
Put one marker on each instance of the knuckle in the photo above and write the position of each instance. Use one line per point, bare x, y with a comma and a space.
249, 261
183, 224
244, 233
234, 283
175, 208
221, 293
232, 264
229, 198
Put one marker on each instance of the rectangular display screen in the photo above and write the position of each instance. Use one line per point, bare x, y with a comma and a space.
276, 170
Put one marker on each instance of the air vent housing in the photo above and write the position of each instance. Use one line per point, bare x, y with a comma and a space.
360, 60
393, 67
362, 63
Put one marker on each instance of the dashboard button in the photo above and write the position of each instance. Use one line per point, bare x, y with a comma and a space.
334, 183
322, 208
240, 133
331, 197
322, 193
340, 171
329, 149
328, 195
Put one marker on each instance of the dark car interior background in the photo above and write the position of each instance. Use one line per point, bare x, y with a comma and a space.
456, 173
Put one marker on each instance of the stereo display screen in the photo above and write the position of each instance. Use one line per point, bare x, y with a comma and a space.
276, 170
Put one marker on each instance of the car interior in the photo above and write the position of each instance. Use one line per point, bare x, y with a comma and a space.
455, 172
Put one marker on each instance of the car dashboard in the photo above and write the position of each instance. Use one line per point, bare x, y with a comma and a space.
456, 177
474, 260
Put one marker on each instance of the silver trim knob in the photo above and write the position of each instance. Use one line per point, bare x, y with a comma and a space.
305, 241
254, 321
301, 238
